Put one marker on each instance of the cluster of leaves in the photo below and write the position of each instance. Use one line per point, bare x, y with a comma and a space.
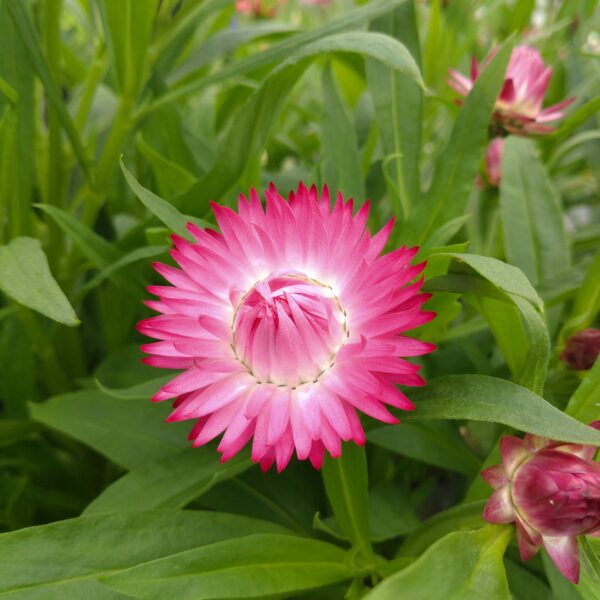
203, 103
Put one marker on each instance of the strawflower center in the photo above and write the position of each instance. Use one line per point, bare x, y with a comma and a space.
287, 329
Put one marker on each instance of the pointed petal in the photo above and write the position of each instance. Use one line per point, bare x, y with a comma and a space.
565, 554
499, 508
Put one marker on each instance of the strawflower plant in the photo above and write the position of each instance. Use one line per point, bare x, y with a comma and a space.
291, 307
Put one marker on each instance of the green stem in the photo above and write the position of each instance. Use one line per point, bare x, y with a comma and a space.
92, 81
55, 154
53, 374
94, 198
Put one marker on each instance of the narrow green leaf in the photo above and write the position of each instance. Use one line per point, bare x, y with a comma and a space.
66, 559
398, 102
461, 566
29, 36
17, 132
484, 398
170, 482
457, 164
132, 433
532, 221
171, 177
256, 566
139, 254
252, 123
160, 208
281, 51
25, 276
584, 405
101, 253
340, 159
224, 42
128, 28
586, 304
347, 486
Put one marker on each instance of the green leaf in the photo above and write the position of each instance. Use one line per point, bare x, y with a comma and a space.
586, 304
252, 123
532, 221
584, 405
390, 515
590, 570
101, 253
289, 498
31, 40
462, 517
524, 585
14, 430
128, 28
139, 254
460, 566
25, 276
340, 160
484, 398
398, 102
172, 178
66, 559
160, 208
457, 164
431, 443
347, 486
170, 482
511, 306
577, 118
281, 51
129, 432
223, 42
17, 132
256, 566
508, 279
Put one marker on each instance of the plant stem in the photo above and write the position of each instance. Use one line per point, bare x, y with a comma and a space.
55, 154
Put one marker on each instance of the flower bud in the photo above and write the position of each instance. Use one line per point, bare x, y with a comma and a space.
493, 161
519, 107
551, 490
582, 349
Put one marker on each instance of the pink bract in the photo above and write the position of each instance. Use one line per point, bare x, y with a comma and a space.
551, 491
518, 109
286, 323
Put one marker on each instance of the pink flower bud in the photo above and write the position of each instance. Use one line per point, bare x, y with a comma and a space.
518, 108
582, 349
493, 161
265, 9
551, 491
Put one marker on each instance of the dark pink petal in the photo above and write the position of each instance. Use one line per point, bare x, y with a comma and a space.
499, 508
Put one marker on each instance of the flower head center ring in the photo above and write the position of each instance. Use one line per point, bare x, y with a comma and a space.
294, 312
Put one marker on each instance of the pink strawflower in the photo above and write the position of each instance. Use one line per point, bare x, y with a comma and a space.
582, 349
518, 109
258, 8
493, 161
551, 490
286, 323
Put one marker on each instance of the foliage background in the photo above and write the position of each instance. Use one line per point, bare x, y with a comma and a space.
203, 103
